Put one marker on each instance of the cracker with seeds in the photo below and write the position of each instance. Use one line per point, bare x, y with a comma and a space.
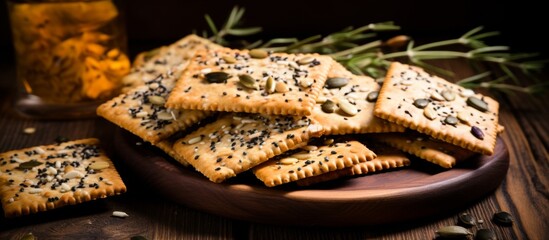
312, 161
346, 104
237, 142
438, 152
387, 158
142, 112
251, 81
165, 60
431, 105
46, 177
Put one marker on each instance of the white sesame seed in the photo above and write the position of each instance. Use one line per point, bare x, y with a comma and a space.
11, 200
35, 190
141, 114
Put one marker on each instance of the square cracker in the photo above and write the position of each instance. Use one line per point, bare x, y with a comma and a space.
237, 142
406, 86
173, 58
312, 162
356, 93
387, 158
441, 153
142, 112
297, 86
46, 177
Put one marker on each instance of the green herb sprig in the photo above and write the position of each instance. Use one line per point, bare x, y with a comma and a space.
359, 51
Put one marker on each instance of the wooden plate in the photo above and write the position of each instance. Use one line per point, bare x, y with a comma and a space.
420, 191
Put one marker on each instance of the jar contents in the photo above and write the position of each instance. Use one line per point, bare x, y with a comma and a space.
69, 51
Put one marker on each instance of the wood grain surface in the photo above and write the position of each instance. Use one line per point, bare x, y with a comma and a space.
523, 192
390, 197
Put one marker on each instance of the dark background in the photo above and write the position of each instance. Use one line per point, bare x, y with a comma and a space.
152, 23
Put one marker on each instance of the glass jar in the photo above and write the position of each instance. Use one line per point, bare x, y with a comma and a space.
70, 55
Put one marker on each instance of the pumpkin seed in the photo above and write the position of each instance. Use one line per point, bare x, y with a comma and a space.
347, 107
467, 93
305, 60
305, 83
336, 82
451, 120
449, 95
229, 59
120, 214
485, 234
453, 232
466, 220
478, 104
329, 106
281, 87
29, 165
247, 81
462, 116
421, 103
477, 132
437, 96
270, 85
157, 100
99, 165
503, 218
372, 96
430, 113
217, 77
258, 53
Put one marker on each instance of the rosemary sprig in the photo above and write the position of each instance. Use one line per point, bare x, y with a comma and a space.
357, 50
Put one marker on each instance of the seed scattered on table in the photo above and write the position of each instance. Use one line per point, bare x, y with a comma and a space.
29, 130
466, 220
120, 214
485, 234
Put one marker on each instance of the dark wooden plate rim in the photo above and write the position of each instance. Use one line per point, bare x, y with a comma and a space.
344, 203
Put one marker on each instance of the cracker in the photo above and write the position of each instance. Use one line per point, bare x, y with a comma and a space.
406, 86
441, 153
142, 112
297, 86
312, 162
66, 174
164, 60
355, 92
237, 142
387, 158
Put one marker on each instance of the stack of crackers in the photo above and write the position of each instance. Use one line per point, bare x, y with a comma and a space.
296, 117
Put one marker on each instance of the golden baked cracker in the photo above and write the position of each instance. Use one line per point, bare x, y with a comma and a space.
237, 142
233, 81
46, 177
142, 112
355, 93
387, 158
312, 162
431, 105
441, 153
165, 60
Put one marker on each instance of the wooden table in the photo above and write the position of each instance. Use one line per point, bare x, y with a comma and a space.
524, 192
